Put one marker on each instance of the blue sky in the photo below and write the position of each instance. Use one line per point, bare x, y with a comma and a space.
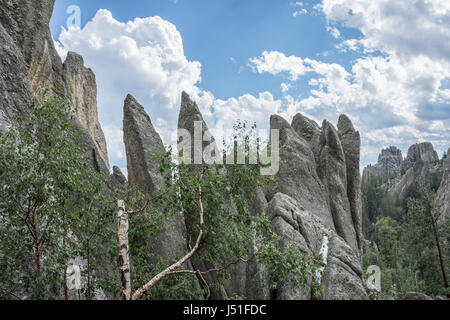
251, 58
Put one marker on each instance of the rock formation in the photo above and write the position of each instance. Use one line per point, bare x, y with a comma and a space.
315, 204
27, 22
15, 90
143, 146
82, 90
351, 145
443, 193
298, 175
332, 170
310, 206
312, 203
389, 163
34, 56
420, 152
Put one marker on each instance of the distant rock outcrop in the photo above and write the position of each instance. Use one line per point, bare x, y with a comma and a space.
389, 163
423, 152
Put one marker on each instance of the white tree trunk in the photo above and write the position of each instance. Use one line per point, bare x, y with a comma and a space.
124, 259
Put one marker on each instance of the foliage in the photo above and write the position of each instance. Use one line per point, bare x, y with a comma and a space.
50, 202
233, 234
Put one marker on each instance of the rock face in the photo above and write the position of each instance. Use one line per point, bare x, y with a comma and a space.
443, 193
143, 144
34, 55
298, 175
389, 163
351, 145
27, 22
311, 205
342, 273
420, 152
189, 116
15, 90
332, 170
82, 90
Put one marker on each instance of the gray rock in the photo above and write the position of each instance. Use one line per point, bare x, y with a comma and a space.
351, 145
309, 130
81, 88
342, 273
117, 179
416, 296
27, 22
90, 148
332, 170
389, 163
15, 90
189, 114
342, 279
143, 148
297, 176
420, 152
443, 194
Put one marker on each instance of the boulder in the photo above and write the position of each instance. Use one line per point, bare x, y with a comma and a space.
416, 296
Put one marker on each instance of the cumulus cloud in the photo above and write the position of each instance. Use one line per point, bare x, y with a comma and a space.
275, 62
398, 90
145, 57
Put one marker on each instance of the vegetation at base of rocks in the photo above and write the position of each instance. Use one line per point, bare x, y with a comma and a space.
53, 206
56, 209
231, 234
408, 239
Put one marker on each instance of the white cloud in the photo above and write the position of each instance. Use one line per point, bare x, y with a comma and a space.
334, 32
144, 57
405, 27
398, 91
300, 12
275, 62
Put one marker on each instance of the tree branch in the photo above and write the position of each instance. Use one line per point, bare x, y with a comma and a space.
138, 294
